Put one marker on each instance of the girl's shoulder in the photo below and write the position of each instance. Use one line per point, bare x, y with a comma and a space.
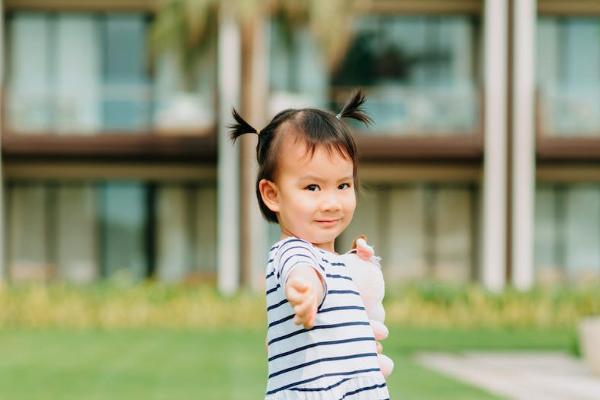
291, 246
291, 241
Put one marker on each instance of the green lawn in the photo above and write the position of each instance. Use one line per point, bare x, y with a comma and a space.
224, 364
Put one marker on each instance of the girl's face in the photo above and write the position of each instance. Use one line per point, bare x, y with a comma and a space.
313, 197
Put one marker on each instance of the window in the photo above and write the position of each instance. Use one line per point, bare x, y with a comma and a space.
88, 73
81, 232
423, 230
123, 212
568, 74
297, 72
567, 232
419, 72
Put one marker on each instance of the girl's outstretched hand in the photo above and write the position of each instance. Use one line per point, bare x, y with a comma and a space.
304, 291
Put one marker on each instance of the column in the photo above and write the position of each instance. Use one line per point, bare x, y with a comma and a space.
228, 245
493, 261
2, 225
523, 143
255, 91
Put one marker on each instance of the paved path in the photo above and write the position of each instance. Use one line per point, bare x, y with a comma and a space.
520, 375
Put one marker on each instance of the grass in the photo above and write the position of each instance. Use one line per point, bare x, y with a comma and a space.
54, 363
153, 341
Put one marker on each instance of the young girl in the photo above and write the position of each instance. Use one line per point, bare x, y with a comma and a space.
320, 343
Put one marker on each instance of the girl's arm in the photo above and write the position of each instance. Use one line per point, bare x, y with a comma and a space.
304, 291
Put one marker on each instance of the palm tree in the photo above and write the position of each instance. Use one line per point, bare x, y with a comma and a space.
188, 27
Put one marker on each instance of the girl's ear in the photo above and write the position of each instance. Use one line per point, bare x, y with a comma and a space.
270, 194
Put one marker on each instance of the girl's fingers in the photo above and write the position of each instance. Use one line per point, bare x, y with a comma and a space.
296, 291
308, 320
302, 298
304, 308
379, 348
299, 285
305, 312
294, 297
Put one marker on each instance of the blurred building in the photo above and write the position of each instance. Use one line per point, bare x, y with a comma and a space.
483, 163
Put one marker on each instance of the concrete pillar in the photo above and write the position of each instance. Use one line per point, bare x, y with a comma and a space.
255, 92
493, 262
523, 143
2, 226
228, 242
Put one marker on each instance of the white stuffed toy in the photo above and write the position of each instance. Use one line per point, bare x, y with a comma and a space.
366, 273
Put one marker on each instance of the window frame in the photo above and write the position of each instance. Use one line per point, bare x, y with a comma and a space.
459, 148
552, 150
154, 144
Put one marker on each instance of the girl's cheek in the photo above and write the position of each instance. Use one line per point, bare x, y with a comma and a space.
351, 198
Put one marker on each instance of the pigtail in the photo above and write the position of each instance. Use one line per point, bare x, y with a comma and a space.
240, 127
352, 108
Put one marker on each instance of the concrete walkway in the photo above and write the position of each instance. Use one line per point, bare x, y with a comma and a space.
519, 375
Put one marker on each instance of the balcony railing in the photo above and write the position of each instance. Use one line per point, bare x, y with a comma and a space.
570, 110
436, 110
122, 108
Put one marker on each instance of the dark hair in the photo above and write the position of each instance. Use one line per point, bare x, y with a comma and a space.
316, 127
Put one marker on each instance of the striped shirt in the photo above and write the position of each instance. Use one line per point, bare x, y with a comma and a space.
335, 359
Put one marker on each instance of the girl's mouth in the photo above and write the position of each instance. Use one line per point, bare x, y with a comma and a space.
327, 222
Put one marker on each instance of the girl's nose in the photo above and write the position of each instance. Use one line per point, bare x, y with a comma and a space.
330, 202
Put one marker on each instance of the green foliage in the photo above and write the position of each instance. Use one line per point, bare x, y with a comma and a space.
189, 28
437, 305
431, 305
111, 306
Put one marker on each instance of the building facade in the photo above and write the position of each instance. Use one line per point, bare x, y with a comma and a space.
483, 163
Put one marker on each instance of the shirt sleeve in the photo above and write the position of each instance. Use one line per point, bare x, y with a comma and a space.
294, 252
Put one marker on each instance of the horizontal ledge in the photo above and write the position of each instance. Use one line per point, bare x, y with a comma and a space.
398, 173
376, 6
421, 7
549, 172
579, 149
82, 5
198, 147
571, 7
86, 171
466, 148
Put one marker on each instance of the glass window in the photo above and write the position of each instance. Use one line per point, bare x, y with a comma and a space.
204, 228
81, 232
28, 250
126, 99
568, 74
419, 72
186, 219
420, 231
78, 67
86, 73
29, 85
567, 232
298, 75
123, 212
77, 232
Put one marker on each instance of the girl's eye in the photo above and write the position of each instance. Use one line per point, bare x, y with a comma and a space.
344, 186
312, 188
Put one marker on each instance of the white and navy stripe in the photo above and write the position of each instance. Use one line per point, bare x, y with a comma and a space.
337, 358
